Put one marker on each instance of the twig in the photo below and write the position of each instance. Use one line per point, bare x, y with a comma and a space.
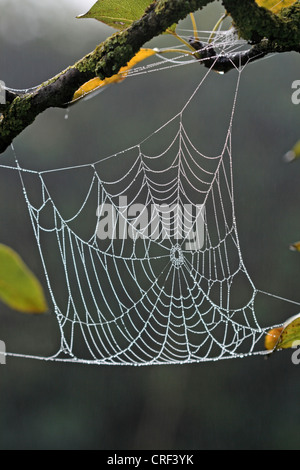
223, 63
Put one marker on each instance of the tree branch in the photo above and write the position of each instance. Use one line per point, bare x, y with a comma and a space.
270, 34
253, 23
223, 63
106, 60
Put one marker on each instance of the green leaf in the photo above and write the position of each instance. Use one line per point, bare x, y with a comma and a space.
117, 13
19, 288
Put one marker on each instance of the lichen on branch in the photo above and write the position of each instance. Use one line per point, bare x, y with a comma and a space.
255, 23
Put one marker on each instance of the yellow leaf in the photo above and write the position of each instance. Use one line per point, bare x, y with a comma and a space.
295, 246
19, 288
275, 5
96, 83
286, 337
293, 154
272, 338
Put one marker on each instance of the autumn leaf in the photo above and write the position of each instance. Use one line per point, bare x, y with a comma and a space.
275, 5
96, 83
272, 338
293, 154
19, 288
295, 246
285, 337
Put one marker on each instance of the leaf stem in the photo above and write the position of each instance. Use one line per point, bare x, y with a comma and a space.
182, 40
194, 26
217, 26
180, 51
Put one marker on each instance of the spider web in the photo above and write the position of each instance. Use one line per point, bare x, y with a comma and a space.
147, 268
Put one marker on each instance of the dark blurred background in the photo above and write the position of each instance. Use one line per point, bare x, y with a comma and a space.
240, 404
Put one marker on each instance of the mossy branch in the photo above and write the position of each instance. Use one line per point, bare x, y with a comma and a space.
269, 32
255, 23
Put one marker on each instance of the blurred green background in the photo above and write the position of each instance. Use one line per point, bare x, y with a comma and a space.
240, 404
